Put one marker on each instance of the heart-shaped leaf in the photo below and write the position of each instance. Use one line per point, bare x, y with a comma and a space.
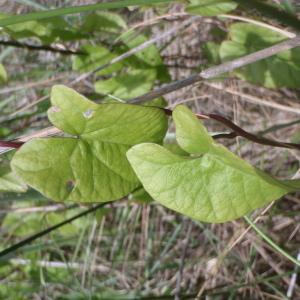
212, 184
96, 56
91, 164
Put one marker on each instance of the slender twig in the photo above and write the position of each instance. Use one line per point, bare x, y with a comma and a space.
42, 48
251, 58
278, 127
32, 238
173, 86
43, 82
219, 70
171, 32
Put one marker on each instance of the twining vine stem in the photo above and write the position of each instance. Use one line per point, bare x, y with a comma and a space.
11, 144
42, 47
208, 74
236, 131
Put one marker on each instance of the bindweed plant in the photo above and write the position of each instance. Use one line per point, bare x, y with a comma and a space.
108, 150
117, 148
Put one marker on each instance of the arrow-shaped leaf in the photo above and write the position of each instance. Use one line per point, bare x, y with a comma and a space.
89, 165
212, 184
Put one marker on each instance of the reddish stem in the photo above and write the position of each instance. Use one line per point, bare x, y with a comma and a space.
238, 131
11, 144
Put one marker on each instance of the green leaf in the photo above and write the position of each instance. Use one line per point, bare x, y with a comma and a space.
212, 184
58, 34
150, 55
27, 29
104, 22
127, 86
3, 74
96, 56
148, 58
90, 164
9, 182
157, 102
175, 149
210, 7
249, 38
212, 52
191, 135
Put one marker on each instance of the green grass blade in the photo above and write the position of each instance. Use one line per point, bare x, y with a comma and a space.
272, 12
271, 243
76, 9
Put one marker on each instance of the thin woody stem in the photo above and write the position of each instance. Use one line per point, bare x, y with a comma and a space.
251, 58
219, 70
42, 48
